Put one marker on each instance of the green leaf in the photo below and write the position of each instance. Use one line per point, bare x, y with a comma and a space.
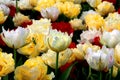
20, 61
5, 77
66, 73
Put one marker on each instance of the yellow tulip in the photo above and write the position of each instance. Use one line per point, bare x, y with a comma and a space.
7, 63
33, 69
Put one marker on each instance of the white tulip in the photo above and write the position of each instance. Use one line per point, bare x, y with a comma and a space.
15, 38
100, 59
5, 9
110, 39
48, 13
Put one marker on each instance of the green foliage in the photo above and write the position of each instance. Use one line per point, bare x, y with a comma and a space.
66, 73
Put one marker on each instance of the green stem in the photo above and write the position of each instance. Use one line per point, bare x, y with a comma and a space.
100, 76
89, 73
111, 71
56, 69
17, 10
14, 51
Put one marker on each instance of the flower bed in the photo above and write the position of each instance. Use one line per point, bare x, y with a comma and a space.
59, 39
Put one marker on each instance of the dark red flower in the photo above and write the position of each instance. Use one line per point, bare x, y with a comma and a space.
112, 1
72, 45
25, 23
118, 10
2, 43
96, 41
64, 67
63, 27
12, 10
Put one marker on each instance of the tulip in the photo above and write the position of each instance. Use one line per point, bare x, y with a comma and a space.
58, 41
117, 55
7, 63
110, 39
81, 50
5, 9
100, 59
105, 7
24, 4
40, 26
2, 17
77, 24
15, 38
19, 18
89, 35
112, 21
50, 58
48, 13
94, 21
34, 48
33, 69
94, 3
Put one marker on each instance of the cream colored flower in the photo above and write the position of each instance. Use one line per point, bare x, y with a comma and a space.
69, 9
15, 38
32, 69
58, 41
105, 7
110, 39
20, 18
89, 35
77, 24
7, 63
24, 4
112, 21
81, 50
50, 13
8, 2
78, 54
5, 9
44, 4
35, 45
50, 58
117, 55
84, 13
27, 4
100, 59
94, 21
40, 26
94, 3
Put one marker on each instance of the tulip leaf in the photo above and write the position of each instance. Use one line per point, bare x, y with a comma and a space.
5, 77
66, 73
